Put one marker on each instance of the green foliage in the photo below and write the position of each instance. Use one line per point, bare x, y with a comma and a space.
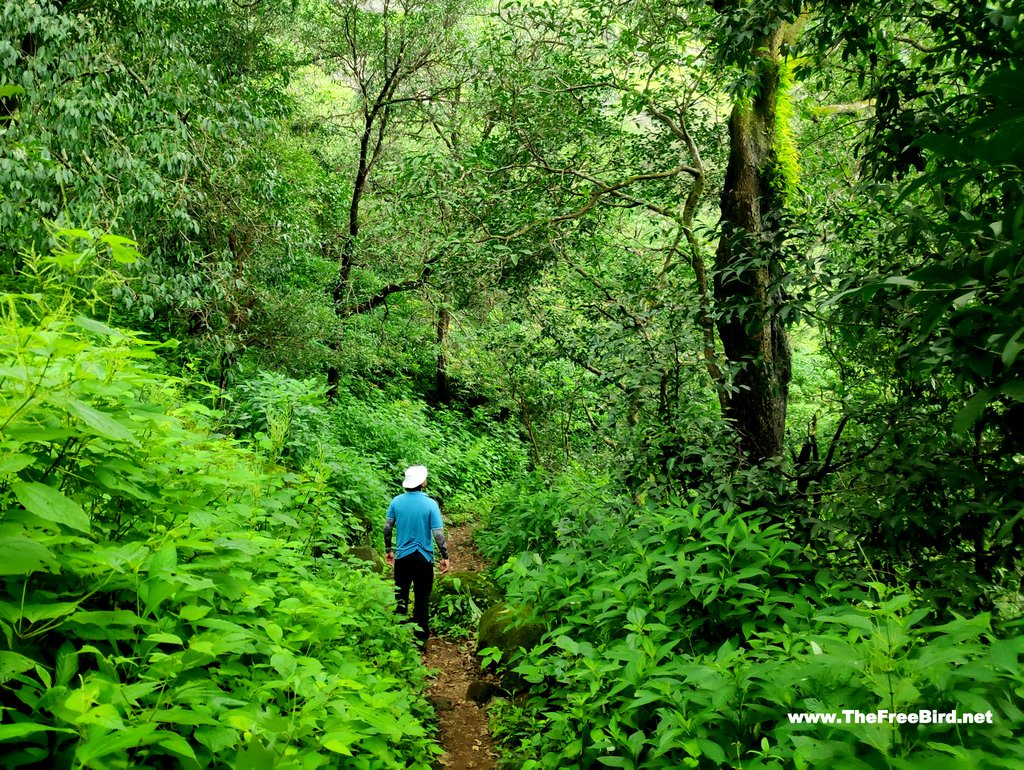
546, 175
682, 637
168, 121
465, 460
458, 601
813, 386
787, 157
117, 102
925, 326
159, 600
489, 656
359, 445
537, 515
284, 415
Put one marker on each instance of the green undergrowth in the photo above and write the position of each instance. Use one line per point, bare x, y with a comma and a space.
531, 515
681, 635
363, 439
161, 603
455, 611
467, 458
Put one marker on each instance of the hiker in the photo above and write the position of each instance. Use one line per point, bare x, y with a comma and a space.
417, 518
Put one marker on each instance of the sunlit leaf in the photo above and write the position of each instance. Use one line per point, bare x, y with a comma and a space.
51, 504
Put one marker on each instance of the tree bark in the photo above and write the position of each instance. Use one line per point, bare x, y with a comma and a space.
748, 269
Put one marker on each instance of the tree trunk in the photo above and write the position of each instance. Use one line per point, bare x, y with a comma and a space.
748, 269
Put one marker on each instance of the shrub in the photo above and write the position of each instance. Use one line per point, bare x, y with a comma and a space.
682, 637
159, 603
535, 514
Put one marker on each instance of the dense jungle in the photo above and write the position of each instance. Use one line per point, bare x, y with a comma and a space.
706, 317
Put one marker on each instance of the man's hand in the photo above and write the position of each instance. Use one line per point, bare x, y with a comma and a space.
446, 565
390, 559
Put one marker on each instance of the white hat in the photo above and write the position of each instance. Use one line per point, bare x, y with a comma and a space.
415, 476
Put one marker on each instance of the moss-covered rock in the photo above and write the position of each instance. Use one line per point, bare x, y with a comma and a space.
362, 529
369, 554
508, 628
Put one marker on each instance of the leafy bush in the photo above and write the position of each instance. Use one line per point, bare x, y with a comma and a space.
455, 611
683, 637
540, 515
160, 603
285, 413
394, 431
287, 421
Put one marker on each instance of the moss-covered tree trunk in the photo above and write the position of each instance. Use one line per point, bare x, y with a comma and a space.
748, 269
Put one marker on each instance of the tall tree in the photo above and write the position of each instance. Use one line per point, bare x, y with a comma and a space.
610, 121
748, 268
386, 52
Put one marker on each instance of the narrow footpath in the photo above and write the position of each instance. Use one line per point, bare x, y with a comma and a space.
464, 736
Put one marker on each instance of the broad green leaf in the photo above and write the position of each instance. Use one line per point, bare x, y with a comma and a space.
103, 745
274, 632
36, 611
568, 645
163, 560
108, 618
971, 412
74, 232
14, 463
67, 664
900, 280
9, 89
284, 662
12, 663
50, 504
636, 615
122, 249
712, 751
22, 556
116, 483
24, 729
164, 639
191, 612
255, 756
216, 739
96, 327
897, 602
1013, 347
849, 620
176, 744
102, 424
184, 716
1014, 390
616, 762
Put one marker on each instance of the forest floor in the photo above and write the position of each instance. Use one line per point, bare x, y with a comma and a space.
464, 735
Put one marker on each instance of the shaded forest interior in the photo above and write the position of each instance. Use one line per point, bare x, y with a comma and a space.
706, 315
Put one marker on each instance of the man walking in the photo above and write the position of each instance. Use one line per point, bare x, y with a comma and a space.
417, 517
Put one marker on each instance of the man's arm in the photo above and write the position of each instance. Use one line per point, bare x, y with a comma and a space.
389, 528
442, 547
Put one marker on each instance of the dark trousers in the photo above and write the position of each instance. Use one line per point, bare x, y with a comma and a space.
414, 570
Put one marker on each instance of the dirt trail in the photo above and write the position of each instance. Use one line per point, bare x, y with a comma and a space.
467, 743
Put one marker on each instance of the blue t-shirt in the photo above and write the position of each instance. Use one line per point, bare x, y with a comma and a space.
414, 515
